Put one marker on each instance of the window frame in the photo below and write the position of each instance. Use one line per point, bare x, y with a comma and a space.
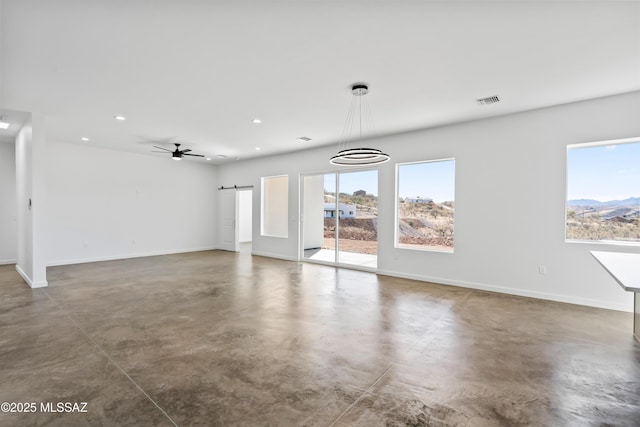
262, 207
396, 232
601, 143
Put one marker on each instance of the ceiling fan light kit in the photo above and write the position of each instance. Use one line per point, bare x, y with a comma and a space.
357, 156
177, 154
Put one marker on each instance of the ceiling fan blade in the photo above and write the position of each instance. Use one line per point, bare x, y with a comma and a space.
186, 151
194, 155
162, 148
155, 151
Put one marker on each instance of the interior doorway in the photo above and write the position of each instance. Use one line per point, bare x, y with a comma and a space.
8, 202
245, 220
236, 218
340, 218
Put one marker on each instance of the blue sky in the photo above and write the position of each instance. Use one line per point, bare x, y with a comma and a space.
353, 181
603, 173
433, 179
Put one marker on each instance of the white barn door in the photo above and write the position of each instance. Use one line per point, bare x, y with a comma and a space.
229, 216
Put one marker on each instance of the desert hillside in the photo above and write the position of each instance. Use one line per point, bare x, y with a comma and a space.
613, 220
421, 224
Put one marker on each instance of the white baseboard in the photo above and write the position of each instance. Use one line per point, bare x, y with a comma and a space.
511, 291
8, 261
126, 256
277, 256
32, 284
438, 280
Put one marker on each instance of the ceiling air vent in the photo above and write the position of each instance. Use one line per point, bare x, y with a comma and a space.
303, 139
488, 100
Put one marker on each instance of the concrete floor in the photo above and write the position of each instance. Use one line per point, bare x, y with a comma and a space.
223, 339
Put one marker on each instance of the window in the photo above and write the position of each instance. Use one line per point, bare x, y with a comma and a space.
603, 191
274, 215
425, 205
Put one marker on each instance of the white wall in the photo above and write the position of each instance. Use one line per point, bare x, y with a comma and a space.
313, 211
105, 204
30, 149
8, 206
24, 263
245, 216
513, 165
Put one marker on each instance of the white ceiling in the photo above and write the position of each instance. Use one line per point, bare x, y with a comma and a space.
200, 71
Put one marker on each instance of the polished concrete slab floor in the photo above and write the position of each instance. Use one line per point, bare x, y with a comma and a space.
225, 339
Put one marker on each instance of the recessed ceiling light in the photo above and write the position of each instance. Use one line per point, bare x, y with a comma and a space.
4, 125
257, 148
84, 139
303, 139
121, 118
208, 158
221, 156
256, 121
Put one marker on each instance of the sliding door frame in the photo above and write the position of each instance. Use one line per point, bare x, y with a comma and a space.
337, 174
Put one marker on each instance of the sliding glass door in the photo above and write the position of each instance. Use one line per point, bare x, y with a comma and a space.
340, 218
358, 218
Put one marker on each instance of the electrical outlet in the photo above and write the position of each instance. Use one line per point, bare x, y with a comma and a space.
542, 269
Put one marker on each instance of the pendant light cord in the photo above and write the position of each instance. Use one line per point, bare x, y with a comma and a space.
360, 114
347, 129
359, 156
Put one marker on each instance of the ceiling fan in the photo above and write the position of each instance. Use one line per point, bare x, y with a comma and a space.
178, 153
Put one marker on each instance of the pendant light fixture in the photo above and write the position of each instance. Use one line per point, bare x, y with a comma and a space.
357, 156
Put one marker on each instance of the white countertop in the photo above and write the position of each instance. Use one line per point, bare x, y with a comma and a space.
624, 267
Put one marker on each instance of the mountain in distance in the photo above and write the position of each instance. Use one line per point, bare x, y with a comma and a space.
631, 201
